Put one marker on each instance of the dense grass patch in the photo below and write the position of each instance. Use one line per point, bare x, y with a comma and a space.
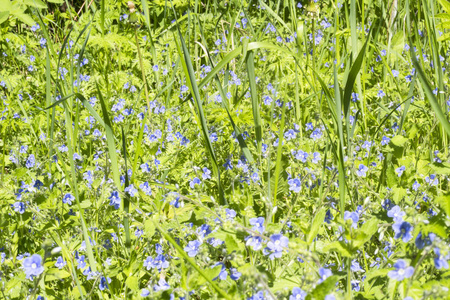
224, 149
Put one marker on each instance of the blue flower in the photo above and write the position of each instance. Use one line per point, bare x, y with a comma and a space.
432, 180
114, 199
258, 224
440, 261
324, 274
297, 294
415, 186
31, 161
396, 213
234, 274
89, 177
328, 217
192, 248
145, 293
19, 207
223, 271
230, 213
161, 286
194, 182
68, 198
81, 264
206, 173
301, 156
403, 230
355, 267
295, 185
316, 158
362, 169
33, 266
353, 216
204, 230
422, 241
275, 246
289, 135
385, 140
381, 94
131, 190
145, 168
104, 283
145, 187
400, 170
402, 271
60, 263
255, 242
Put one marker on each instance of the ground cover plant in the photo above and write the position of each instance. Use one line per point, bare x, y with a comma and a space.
224, 149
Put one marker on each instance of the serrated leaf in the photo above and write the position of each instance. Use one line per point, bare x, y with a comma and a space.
231, 243
437, 226
444, 202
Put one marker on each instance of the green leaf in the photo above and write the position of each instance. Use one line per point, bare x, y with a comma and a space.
339, 247
210, 273
324, 288
398, 141
353, 74
231, 243
376, 273
35, 3
365, 233
444, 202
56, 274
132, 283
441, 168
25, 18
3, 16
149, 228
429, 93
315, 225
437, 226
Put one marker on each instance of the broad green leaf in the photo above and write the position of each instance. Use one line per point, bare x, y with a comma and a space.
398, 141
56, 274
25, 18
365, 233
3, 16
324, 288
35, 3
444, 202
231, 243
132, 283
441, 168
